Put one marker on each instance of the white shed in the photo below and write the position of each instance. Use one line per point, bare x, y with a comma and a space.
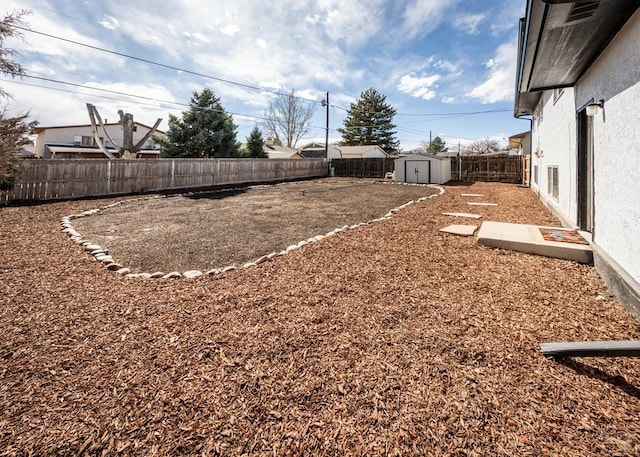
423, 169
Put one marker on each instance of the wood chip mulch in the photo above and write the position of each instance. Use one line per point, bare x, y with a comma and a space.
392, 339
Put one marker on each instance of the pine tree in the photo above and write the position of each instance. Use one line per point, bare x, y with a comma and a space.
13, 129
205, 130
370, 121
437, 145
255, 145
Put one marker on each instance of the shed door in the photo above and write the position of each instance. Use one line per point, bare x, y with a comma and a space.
417, 171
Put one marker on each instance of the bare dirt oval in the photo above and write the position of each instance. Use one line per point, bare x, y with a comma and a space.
212, 230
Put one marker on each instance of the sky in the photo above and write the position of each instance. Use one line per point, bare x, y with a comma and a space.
446, 66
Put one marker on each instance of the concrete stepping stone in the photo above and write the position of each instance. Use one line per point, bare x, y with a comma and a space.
529, 239
468, 215
462, 230
481, 204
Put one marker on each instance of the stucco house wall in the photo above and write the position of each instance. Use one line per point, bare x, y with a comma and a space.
553, 144
615, 78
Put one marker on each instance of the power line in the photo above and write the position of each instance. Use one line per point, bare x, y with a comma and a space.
468, 113
100, 89
249, 116
118, 93
169, 67
246, 86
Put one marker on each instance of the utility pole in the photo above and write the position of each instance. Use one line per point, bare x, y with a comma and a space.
325, 102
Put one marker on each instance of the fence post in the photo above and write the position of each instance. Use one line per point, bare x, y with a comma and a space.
108, 177
173, 173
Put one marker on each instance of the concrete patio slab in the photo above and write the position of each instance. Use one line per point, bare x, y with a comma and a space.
457, 229
468, 215
529, 239
481, 204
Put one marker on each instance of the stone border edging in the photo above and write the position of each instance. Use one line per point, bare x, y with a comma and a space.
102, 255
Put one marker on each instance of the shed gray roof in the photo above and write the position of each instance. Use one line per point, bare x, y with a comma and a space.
422, 157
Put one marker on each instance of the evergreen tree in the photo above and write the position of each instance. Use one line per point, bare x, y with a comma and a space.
437, 145
205, 130
13, 129
255, 145
370, 121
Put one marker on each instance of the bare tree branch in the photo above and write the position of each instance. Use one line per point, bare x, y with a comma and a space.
288, 118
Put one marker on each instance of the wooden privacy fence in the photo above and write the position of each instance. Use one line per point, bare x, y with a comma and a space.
68, 178
363, 168
488, 168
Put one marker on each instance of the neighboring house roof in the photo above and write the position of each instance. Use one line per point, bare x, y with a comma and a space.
516, 140
284, 155
26, 154
558, 42
422, 157
37, 130
76, 151
359, 151
281, 152
313, 145
313, 153
91, 152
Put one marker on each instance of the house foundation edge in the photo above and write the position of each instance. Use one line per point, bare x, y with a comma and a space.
621, 285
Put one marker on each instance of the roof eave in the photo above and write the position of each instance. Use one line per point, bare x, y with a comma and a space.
555, 52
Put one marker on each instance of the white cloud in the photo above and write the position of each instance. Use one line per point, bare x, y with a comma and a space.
311, 46
110, 23
195, 38
419, 87
499, 84
200, 37
507, 19
354, 22
313, 19
448, 66
230, 29
421, 17
469, 23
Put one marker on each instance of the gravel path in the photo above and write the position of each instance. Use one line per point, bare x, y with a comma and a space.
391, 339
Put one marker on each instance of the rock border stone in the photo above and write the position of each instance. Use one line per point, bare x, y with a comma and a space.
101, 254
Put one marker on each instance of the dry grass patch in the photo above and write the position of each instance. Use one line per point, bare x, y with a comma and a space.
210, 230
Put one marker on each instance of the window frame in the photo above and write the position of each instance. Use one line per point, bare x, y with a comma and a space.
553, 182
